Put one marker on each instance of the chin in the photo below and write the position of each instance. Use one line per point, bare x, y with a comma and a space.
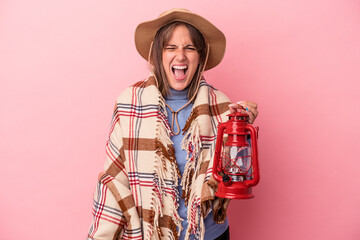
179, 86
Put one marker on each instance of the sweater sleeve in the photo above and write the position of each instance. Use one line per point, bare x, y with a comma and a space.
114, 212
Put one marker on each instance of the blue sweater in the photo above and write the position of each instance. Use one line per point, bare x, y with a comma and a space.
176, 100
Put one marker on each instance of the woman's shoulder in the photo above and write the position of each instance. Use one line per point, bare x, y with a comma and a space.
130, 92
214, 92
150, 81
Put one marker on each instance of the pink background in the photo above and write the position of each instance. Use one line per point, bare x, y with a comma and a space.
62, 64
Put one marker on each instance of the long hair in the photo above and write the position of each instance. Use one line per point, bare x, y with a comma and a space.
161, 38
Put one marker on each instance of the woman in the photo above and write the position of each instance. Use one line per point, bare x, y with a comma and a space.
157, 182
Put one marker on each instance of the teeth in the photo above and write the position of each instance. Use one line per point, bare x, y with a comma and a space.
180, 67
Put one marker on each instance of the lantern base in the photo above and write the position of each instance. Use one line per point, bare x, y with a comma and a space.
236, 190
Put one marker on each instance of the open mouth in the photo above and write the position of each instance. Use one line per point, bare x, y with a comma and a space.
179, 72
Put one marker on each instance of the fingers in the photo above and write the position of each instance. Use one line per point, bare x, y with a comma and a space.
251, 117
251, 109
235, 107
253, 113
232, 108
249, 103
246, 107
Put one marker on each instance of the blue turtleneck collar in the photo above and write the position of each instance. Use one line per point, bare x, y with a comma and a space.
177, 94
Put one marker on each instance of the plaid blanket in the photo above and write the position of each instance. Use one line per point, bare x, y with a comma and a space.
136, 196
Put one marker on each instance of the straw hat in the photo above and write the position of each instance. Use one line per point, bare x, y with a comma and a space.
145, 33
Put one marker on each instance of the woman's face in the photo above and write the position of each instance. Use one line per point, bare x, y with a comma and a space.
180, 58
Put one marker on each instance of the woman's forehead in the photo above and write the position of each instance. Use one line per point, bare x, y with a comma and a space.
180, 35
183, 29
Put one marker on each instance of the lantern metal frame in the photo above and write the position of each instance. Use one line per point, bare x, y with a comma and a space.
236, 186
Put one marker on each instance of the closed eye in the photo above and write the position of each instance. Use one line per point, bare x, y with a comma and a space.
191, 47
173, 47
170, 47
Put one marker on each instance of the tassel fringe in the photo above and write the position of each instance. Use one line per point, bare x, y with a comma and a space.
165, 156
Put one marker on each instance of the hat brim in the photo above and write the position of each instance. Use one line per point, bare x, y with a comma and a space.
145, 33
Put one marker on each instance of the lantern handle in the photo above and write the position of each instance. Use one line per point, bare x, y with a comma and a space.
254, 154
218, 146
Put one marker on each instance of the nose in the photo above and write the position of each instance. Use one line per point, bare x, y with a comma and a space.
180, 54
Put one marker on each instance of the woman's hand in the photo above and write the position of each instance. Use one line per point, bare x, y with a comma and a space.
246, 107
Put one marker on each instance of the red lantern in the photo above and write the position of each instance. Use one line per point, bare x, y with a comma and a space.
237, 161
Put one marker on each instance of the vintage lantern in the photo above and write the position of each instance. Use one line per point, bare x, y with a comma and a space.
236, 165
